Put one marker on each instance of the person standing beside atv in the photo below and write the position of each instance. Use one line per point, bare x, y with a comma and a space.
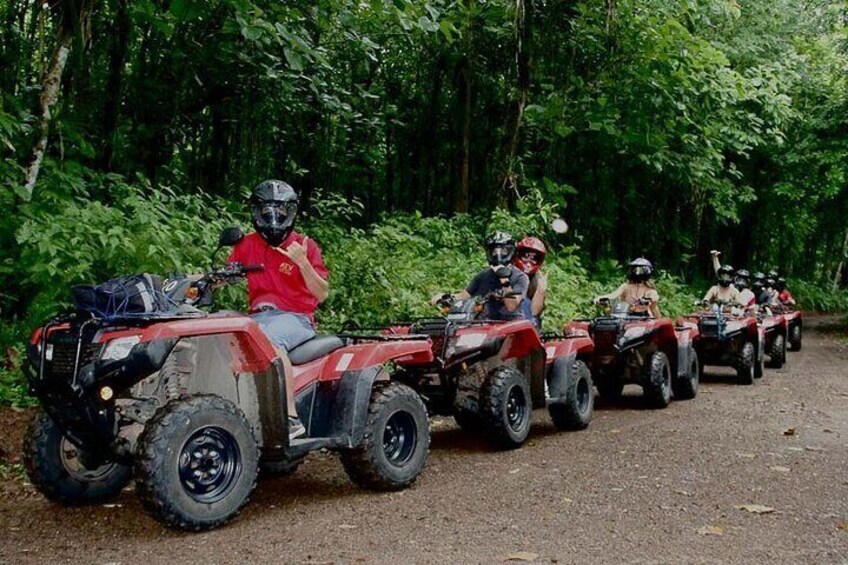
501, 282
529, 256
284, 295
639, 292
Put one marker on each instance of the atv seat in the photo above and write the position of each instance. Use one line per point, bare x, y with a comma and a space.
314, 348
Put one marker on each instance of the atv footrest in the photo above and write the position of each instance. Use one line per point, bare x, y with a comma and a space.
303, 445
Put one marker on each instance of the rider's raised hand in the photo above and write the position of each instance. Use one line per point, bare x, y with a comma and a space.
296, 251
541, 281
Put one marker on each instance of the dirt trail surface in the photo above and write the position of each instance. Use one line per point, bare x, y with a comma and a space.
639, 486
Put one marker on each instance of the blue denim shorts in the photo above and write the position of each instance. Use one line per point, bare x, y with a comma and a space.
286, 330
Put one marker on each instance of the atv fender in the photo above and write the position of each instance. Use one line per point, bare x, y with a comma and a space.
685, 352
350, 409
558, 386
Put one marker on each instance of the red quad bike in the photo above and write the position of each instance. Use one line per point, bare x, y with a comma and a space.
490, 375
794, 324
193, 404
728, 340
653, 353
571, 399
773, 333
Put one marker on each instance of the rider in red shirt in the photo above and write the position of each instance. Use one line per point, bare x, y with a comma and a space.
283, 297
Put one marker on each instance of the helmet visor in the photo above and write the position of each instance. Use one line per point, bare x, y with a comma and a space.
500, 254
640, 270
724, 279
274, 214
530, 256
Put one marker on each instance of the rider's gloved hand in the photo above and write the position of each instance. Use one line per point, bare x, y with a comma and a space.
499, 294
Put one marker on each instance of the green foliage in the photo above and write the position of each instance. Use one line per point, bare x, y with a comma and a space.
14, 471
668, 127
818, 297
84, 241
13, 388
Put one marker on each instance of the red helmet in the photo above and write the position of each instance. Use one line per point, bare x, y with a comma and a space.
530, 254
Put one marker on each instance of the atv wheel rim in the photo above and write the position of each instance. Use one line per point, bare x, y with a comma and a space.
399, 438
516, 408
209, 464
70, 456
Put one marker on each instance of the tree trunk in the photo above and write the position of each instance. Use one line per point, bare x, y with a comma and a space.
508, 182
71, 18
49, 94
117, 59
461, 202
837, 277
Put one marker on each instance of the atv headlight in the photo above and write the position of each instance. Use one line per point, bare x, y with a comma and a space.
119, 348
470, 340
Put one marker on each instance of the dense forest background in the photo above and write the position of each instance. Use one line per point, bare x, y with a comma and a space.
131, 131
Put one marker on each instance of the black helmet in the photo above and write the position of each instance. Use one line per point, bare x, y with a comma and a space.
725, 275
639, 270
773, 274
770, 282
780, 284
273, 207
759, 281
500, 248
743, 279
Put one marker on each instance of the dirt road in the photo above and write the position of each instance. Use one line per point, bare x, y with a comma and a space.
638, 486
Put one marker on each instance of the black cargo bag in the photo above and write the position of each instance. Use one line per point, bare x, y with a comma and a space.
130, 295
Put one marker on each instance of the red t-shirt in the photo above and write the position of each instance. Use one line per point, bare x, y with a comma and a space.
281, 282
785, 296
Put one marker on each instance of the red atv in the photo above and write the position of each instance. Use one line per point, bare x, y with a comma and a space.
193, 403
725, 339
571, 399
635, 349
773, 332
488, 375
794, 325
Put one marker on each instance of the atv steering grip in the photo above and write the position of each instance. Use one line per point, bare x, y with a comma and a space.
252, 268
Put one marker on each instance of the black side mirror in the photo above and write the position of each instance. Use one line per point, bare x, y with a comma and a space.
230, 237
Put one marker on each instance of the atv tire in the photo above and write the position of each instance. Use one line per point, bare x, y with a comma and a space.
505, 407
609, 388
686, 387
573, 410
468, 420
657, 382
197, 463
760, 359
279, 467
795, 338
777, 352
745, 364
396, 441
58, 470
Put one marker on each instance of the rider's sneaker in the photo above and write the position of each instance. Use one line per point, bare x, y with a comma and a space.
296, 427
